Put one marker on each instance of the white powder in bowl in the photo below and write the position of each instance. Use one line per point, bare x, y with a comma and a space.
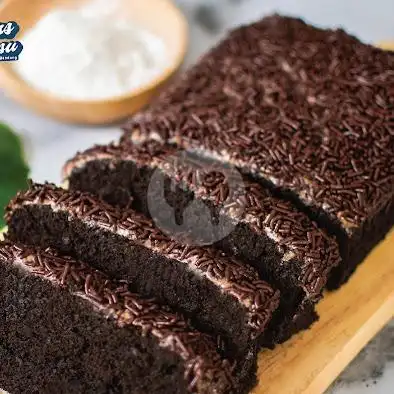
89, 54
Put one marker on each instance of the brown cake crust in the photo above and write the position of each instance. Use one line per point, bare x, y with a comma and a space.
203, 367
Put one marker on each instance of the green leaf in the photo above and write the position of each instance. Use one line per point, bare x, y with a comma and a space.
13, 169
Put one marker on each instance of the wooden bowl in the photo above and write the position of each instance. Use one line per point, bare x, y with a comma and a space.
161, 17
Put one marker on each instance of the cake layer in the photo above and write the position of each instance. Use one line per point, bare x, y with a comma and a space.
66, 328
308, 112
279, 241
218, 293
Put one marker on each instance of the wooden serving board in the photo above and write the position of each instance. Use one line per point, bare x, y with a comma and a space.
349, 318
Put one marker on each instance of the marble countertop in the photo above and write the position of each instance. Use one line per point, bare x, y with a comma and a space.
50, 143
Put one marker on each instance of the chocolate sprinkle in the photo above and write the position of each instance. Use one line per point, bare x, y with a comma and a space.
238, 281
308, 110
203, 365
297, 237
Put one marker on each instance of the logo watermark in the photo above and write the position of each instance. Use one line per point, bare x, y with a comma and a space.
10, 49
200, 203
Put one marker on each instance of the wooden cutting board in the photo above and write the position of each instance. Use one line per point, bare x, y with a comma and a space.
349, 318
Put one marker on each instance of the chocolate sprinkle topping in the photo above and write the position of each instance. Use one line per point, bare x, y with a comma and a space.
238, 281
203, 365
296, 237
308, 110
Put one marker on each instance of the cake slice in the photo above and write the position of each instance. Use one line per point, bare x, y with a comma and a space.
219, 294
66, 328
305, 111
281, 242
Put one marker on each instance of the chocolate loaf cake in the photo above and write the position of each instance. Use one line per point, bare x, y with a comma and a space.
279, 241
219, 294
305, 111
65, 328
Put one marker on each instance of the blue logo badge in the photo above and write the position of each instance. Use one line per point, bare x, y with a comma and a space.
9, 48
8, 30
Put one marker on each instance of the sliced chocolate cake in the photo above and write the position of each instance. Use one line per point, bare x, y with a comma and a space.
219, 294
277, 239
306, 111
66, 328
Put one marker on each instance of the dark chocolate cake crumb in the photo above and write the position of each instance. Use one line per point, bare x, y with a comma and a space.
296, 237
203, 367
280, 242
238, 283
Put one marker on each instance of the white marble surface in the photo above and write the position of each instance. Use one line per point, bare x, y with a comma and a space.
50, 143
